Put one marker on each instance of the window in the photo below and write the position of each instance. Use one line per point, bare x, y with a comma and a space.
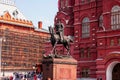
85, 1
88, 53
85, 72
62, 3
34, 50
115, 17
119, 41
111, 42
101, 21
88, 1
15, 13
82, 1
82, 53
6, 48
66, 3
25, 50
85, 28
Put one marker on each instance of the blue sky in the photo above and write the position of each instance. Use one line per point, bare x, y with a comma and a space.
38, 10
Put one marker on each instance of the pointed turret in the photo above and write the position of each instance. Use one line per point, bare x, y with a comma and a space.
10, 14
9, 6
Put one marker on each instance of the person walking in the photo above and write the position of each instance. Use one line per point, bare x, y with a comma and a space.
35, 77
11, 78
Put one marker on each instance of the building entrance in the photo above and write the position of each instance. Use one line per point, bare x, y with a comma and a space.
116, 72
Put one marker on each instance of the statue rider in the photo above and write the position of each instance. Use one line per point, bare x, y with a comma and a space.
59, 30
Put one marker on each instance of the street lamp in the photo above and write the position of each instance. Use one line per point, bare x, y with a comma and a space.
4, 64
2, 39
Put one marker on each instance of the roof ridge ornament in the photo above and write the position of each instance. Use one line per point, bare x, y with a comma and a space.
8, 2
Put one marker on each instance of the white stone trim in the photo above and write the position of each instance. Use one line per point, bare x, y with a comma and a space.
110, 69
109, 36
86, 79
14, 23
8, 2
87, 61
115, 52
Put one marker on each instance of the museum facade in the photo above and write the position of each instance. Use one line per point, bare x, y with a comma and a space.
21, 44
95, 26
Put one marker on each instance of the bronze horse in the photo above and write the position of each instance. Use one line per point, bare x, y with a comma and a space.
55, 39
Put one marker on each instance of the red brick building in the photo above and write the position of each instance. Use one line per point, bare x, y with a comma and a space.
95, 25
21, 44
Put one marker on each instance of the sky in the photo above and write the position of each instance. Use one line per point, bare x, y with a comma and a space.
39, 10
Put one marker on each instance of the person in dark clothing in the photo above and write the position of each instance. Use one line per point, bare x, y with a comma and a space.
59, 30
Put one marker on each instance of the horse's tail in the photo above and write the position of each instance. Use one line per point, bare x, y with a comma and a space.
51, 30
70, 38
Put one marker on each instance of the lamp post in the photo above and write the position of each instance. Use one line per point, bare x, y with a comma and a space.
2, 39
0, 55
4, 64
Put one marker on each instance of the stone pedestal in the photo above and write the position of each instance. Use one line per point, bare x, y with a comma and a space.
59, 69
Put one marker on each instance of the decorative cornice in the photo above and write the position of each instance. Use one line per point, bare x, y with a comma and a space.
87, 61
106, 36
8, 2
59, 61
106, 13
14, 21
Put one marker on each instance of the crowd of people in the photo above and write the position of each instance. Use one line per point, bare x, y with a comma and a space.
27, 76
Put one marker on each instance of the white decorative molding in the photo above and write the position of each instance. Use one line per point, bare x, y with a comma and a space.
76, 46
93, 29
110, 69
106, 13
93, 34
101, 43
76, 31
93, 39
98, 59
109, 36
115, 52
86, 79
8, 2
67, 21
91, 61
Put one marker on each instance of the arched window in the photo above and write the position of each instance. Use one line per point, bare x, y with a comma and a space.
82, 1
115, 17
85, 28
62, 4
66, 3
82, 53
101, 21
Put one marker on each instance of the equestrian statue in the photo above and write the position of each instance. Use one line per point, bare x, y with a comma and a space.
57, 37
